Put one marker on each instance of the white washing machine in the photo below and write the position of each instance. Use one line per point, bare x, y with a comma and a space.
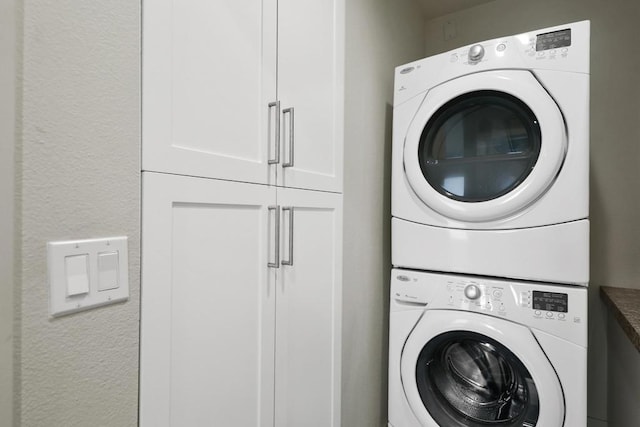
472, 352
491, 158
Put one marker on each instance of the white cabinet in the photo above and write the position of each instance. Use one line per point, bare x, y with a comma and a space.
209, 73
242, 140
208, 303
310, 90
245, 90
225, 339
308, 310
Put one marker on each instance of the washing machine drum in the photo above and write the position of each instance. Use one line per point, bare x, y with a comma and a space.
463, 369
469, 380
484, 146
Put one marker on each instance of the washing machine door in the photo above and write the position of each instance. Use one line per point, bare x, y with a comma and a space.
484, 146
462, 369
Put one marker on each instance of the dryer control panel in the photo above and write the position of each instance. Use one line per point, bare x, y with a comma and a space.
557, 309
560, 48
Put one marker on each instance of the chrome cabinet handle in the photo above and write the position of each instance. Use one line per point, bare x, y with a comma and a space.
290, 260
276, 235
291, 135
276, 104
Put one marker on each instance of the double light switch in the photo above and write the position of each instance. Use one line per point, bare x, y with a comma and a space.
87, 273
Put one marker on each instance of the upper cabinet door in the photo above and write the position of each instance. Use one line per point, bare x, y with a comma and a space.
209, 75
310, 88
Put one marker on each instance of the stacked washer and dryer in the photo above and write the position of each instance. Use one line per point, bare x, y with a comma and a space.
490, 234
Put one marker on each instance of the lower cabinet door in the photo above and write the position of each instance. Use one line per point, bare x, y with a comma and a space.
208, 303
308, 309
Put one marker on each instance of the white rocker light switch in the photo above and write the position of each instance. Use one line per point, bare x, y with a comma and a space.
87, 273
77, 274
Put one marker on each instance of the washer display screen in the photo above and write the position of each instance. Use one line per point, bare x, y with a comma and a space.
550, 301
553, 40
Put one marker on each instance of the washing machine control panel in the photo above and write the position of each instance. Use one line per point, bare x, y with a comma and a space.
545, 304
558, 309
477, 295
489, 296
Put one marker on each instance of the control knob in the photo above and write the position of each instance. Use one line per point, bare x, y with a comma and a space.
476, 53
472, 292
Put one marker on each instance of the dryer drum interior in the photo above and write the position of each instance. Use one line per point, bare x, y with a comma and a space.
479, 146
467, 379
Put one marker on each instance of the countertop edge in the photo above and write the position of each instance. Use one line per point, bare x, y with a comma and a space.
625, 305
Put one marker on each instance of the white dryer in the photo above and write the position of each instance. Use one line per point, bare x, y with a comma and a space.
472, 352
491, 158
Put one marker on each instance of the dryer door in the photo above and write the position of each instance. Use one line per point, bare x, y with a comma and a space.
462, 369
484, 146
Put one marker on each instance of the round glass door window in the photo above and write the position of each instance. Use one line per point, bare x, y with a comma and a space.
479, 146
466, 379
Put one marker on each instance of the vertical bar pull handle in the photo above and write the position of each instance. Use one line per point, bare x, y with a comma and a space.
276, 237
276, 123
289, 111
290, 260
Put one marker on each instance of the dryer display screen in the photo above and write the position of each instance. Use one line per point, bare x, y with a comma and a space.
550, 301
553, 40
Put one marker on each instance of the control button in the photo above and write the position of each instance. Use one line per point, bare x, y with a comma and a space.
549, 314
561, 316
497, 293
489, 306
454, 58
501, 307
538, 313
108, 273
501, 47
476, 53
472, 292
564, 50
540, 54
77, 274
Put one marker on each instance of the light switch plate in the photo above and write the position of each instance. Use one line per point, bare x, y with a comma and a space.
62, 278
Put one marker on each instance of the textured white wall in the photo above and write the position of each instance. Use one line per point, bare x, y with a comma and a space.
7, 127
615, 137
381, 34
79, 168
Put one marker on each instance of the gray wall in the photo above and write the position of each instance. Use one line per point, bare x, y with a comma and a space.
615, 140
78, 178
624, 377
381, 34
7, 130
